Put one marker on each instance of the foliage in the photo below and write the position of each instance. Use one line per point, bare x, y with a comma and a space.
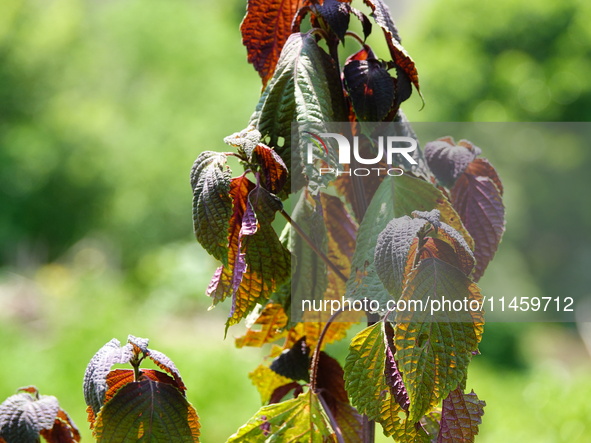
129, 404
433, 241
26, 416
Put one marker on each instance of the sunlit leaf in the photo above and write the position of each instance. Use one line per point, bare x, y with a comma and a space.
364, 371
265, 29
306, 89
396, 423
150, 411
273, 169
272, 321
433, 349
63, 431
268, 262
341, 236
460, 416
95, 377
212, 205
298, 420
464, 258
27, 415
367, 386
163, 362
267, 381
257, 261
312, 325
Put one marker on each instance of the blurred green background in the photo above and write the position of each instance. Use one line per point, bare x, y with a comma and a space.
105, 105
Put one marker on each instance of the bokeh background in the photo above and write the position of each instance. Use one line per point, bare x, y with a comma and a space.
104, 105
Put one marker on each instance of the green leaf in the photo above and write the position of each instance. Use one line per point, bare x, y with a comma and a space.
367, 386
258, 263
364, 281
460, 416
395, 423
395, 197
309, 278
95, 377
305, 88
148, 411
268, 261
364, 371
433, 350
298, 420
212, 205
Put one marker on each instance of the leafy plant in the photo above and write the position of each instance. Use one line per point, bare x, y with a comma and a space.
27, 416
427, 235
126, 405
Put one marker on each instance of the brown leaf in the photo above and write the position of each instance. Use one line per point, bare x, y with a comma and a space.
265, 29
272, 321
64, 430
273, 168
402, 60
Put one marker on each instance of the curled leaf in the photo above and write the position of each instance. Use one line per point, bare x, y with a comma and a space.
370, 87
212, 205
447, 160
27, 415
95, 377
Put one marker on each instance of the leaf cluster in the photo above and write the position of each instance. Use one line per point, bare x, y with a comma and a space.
128, 405
423, 237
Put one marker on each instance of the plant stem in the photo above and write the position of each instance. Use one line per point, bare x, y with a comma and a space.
316, 356
311, 244
333, 422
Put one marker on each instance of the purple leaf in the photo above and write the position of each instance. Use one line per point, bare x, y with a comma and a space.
391, 372
478, 201
460, 416
448, 161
